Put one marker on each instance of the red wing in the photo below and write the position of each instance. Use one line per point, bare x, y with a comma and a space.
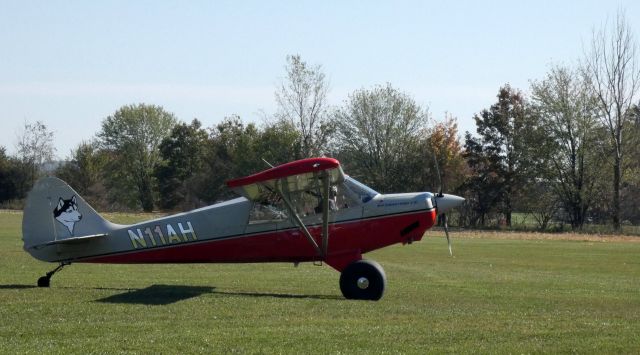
299, 175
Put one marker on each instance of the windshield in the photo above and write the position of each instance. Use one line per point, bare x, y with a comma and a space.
364, 192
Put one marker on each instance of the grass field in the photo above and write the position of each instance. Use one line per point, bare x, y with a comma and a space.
497, 295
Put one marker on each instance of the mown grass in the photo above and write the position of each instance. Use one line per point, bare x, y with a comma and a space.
495, 296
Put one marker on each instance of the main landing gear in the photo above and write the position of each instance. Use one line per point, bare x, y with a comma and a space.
363, 280
45, 280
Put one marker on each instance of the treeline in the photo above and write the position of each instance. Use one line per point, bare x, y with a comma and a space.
567, 152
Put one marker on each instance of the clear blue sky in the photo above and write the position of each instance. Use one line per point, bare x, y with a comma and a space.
70, 64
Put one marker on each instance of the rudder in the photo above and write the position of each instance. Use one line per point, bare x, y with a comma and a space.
54, 212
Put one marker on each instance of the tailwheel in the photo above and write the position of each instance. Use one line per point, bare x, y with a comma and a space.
45, 280
363, 280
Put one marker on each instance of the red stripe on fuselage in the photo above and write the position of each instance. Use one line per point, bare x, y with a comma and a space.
290, 245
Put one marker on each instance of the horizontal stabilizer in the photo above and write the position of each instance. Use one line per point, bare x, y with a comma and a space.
73, 240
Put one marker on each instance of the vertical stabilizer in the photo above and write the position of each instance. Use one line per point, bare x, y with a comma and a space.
55, 213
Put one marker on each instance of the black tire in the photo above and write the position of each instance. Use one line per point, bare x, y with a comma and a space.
363, 280
43, 281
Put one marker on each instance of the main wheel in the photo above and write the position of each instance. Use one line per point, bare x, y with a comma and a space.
363, 280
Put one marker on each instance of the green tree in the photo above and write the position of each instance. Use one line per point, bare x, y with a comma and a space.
441, 142
12, 178
278, 143
84, 172
302, 103
183, 155
6, 184
483, 188
378, 137
630, 194
132, 136
232, 154
237, 149
502, 156
35, 149
567, 111
614, 72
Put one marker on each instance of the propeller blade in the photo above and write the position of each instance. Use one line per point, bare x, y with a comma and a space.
446, 232
435, 162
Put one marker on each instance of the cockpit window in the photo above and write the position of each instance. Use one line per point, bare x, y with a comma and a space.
308, 203
270, 209
363, 192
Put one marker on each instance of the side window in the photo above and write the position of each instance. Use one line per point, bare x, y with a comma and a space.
271, 209
307, 203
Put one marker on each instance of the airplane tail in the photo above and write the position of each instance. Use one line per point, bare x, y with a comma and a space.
54, 214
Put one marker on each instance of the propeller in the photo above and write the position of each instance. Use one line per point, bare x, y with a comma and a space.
444, 203
446, 232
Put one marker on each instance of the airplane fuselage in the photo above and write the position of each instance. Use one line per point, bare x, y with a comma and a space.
306, 210
223, 233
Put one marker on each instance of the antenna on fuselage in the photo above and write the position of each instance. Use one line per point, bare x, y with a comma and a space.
266, 162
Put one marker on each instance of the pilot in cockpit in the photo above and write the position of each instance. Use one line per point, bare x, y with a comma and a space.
333, 198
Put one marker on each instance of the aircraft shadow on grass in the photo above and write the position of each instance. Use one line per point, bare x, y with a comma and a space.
158, 295
167, 294
16, 287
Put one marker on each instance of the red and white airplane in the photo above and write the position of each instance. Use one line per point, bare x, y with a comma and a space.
303, 211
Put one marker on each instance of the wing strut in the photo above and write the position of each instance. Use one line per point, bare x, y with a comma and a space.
296, 177
298, 221
326, 185
325, 212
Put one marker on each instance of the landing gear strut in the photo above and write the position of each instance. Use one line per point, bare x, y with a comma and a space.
45, 280
363, 280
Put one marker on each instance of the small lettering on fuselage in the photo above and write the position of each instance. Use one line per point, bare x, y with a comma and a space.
161, 235
397, 203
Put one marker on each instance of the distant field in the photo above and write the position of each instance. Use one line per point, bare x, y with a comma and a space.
501, 293
527, 222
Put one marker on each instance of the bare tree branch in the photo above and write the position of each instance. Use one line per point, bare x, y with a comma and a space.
614, 77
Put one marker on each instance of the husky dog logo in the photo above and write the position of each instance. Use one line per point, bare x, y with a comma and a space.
66, 212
